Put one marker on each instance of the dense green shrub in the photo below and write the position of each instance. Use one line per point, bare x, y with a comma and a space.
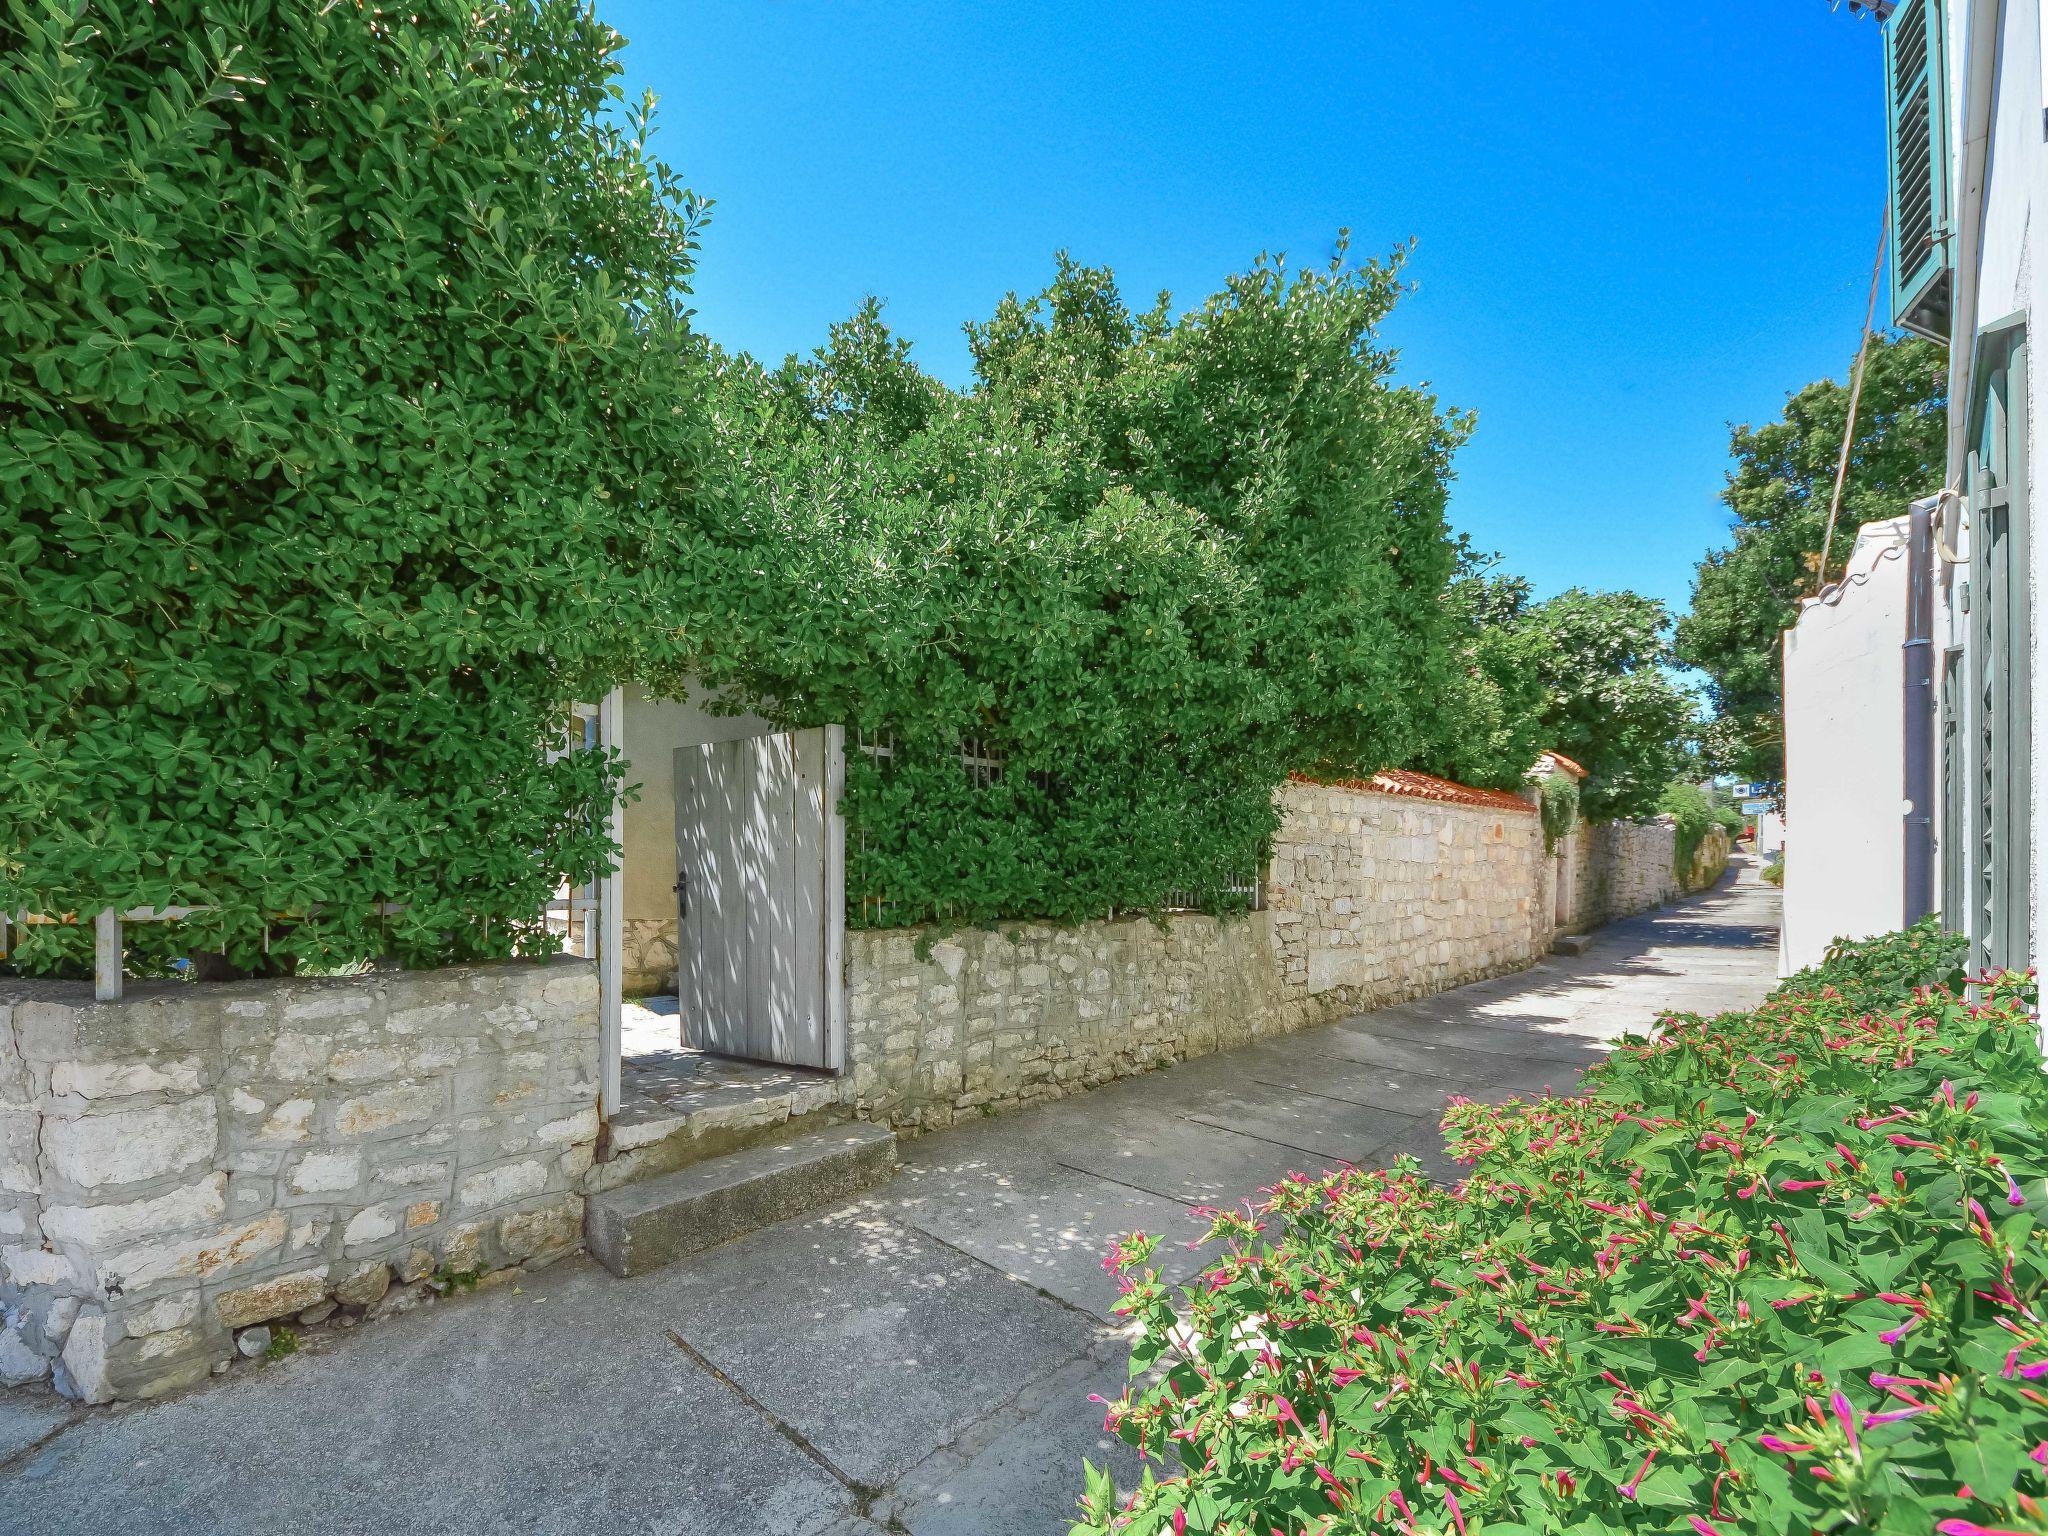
1775, 1271
1693, 817
1493, 708
348, 433
1875, 973
1747, 595
1146, 565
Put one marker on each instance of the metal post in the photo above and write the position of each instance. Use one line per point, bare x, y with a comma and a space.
611, 735
1919, 791
106, 956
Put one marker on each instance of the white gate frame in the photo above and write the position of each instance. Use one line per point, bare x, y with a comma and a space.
611, 736
602, 904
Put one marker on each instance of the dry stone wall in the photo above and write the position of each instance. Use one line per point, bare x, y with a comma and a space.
192, 1163
1624, 867
990, 1019
1378, 898
1709, 860
1372, 898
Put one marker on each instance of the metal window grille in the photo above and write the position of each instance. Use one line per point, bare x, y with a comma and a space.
879, 747
983, 763
572, 912
1246, 887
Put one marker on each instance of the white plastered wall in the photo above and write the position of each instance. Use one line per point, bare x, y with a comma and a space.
1844, 742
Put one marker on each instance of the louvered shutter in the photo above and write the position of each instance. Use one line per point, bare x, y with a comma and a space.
1916, 96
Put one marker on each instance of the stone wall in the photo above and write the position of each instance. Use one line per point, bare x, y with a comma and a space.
194, 1161
1623, 867
998, 1018
1372, 898
1709, 860
1378, 898
647, 955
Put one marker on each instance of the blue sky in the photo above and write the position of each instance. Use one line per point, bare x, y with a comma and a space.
1634, 222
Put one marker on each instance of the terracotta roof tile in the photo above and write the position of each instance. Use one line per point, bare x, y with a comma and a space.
1423, 786
1557, 757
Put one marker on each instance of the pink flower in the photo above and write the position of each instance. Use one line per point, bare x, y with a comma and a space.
1783, 1446
1628, 1489
1702, 1527
1845, 1415
1180, 1522
1971, 1528
2013, 1194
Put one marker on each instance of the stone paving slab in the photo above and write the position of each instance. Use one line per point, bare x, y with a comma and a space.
1163, 1153
874, 1342
1318, 1126
1034, 1220
564, 1409
1020, 1475
1500, 1036
25, 1418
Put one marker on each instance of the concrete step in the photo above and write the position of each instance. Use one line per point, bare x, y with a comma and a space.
1572, 943
643, 1226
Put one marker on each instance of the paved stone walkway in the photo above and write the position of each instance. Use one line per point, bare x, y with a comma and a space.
917, 1362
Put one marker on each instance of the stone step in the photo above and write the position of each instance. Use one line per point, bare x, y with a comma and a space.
1572, 943
643, 1226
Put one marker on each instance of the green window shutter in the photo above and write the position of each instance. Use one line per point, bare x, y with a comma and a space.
1916, 103
2001, 644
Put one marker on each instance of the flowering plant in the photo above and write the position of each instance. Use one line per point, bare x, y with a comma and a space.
1772, 1271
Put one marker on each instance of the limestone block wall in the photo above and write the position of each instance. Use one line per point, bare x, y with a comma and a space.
647, 955
998, 1018
1378, 898
196, 1160
1371, 898
1624, 867
1709, 860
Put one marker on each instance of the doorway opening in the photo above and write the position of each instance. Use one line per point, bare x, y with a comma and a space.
732, 924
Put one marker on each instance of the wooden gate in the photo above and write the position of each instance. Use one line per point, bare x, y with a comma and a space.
760, 896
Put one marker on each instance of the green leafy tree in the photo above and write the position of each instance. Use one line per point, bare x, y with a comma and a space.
349, 430
1611, 704
1747, 594
1148, 562
1490, 719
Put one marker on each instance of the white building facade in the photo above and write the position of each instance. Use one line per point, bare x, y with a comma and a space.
1857, 748
1967, 103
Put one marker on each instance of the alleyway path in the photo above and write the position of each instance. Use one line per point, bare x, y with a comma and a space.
918, 1361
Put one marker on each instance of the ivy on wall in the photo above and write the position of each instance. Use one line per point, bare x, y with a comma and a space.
347, 407
1558, 804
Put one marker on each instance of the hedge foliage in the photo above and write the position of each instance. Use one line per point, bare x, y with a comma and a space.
1773, 1271
1149, 562
347, 409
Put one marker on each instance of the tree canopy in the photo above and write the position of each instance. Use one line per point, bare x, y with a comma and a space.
1588, 676
1747, 594
1151, 561
351, 431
